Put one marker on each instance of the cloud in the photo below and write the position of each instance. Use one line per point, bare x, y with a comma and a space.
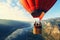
3, 1
15, 34
13, 13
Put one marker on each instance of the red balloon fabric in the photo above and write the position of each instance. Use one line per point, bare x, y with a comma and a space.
35, 7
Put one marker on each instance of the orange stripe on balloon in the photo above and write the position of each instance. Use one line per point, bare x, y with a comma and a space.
25, 5
41, 16
31, 4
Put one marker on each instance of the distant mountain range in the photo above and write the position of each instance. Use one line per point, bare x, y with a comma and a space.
57, 18
53, 21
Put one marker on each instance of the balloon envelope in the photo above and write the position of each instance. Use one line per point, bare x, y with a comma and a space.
35, 7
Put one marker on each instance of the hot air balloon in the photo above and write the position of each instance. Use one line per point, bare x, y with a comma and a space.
37, 8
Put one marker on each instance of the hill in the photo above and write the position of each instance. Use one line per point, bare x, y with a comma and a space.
9, 26
51, 29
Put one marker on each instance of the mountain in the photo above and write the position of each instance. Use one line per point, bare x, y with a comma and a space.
9, 26
19, 30
51, 29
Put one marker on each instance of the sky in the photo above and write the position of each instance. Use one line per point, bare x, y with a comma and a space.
54, 12
13, 10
